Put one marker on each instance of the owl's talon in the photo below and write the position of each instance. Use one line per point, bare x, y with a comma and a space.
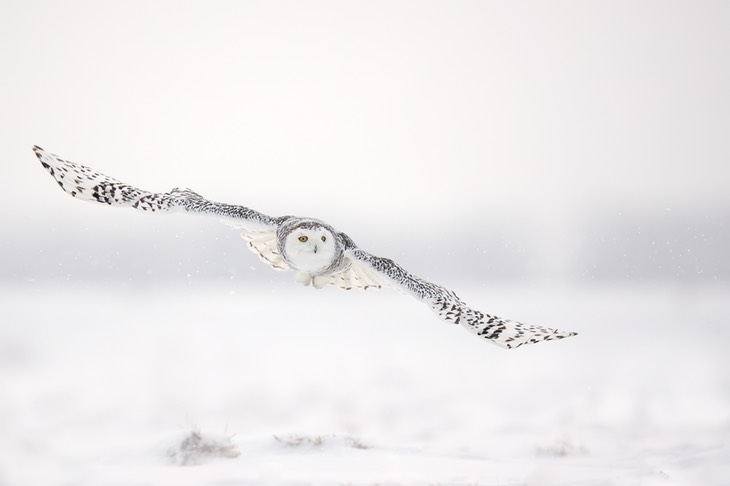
320, 281
303, 278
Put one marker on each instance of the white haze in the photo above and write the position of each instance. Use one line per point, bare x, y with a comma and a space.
558, 141
562, 163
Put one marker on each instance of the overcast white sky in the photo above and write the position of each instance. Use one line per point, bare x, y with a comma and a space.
372, 113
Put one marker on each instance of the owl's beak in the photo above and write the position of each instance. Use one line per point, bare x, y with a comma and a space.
315, 248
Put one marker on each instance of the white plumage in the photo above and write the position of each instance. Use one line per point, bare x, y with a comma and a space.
317, 253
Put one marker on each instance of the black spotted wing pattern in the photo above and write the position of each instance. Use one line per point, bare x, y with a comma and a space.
502, 332
87, 184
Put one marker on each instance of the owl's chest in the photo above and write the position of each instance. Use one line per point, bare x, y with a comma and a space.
309, 261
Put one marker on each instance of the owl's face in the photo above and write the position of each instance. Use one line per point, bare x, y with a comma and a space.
310, 249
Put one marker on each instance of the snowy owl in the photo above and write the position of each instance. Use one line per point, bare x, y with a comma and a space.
318, 254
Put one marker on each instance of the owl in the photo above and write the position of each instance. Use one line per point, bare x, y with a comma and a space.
317, 253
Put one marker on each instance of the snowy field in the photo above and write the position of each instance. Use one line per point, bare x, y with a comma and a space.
564, 164
293, 386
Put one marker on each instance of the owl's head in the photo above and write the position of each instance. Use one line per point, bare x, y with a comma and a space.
310, 246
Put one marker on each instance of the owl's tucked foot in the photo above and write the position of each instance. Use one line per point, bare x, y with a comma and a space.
320, 281
303, 278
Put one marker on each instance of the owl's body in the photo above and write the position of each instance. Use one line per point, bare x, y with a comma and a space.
317, 253
311, 248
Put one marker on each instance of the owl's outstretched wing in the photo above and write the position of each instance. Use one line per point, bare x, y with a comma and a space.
502, 332
86, 184
356, 276
261, 241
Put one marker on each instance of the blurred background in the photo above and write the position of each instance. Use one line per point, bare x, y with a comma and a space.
560, 163
484, 140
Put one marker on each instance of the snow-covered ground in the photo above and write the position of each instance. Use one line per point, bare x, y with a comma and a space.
104, 386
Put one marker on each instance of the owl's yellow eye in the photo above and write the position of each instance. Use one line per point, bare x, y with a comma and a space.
324, 238
303, 238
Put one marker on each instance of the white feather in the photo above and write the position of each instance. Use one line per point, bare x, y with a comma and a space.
261, 241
